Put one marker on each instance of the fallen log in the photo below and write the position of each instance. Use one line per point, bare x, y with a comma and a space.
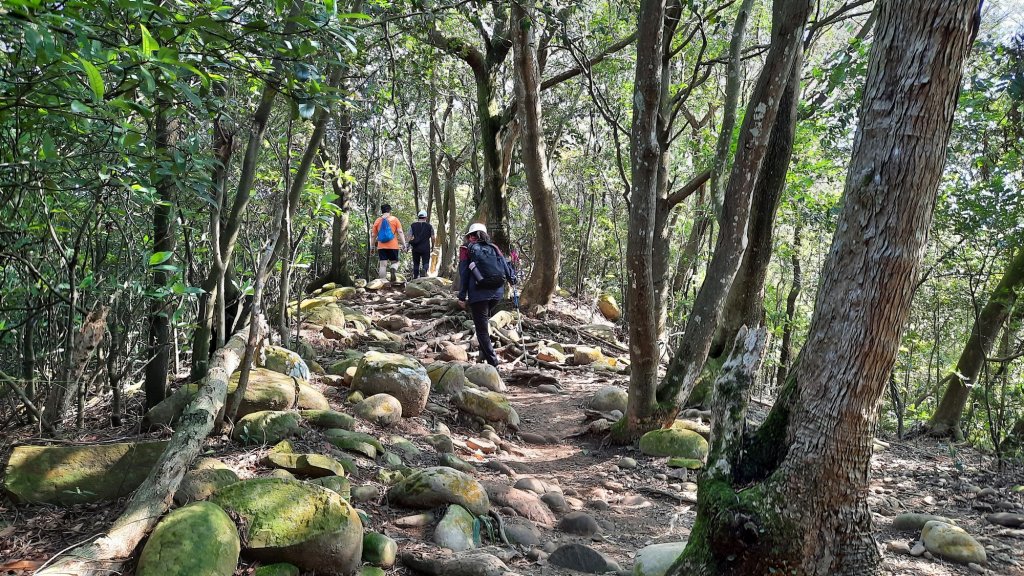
108, 553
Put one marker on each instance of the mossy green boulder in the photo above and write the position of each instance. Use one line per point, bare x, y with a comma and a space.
339, 484
354, 442
312, 465
438, 486
266, 427
324, 315
688, 463
79, 474
952, 543
485, 376
447, 377
400, 376
490, 406
674, 442
266, 390
351, 360
199, 484
197, 540
297, 522
284, 361
343, 293
328, 419
457, 531
309, 398
379, 550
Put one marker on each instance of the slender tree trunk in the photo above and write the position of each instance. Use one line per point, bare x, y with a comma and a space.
983, 336
540, 287
788, 20
786, 348
803, 506
159, 347
745, 303
452, 245
641, 306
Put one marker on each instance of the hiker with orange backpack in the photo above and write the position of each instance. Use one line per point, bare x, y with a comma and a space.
384, 239
483, 272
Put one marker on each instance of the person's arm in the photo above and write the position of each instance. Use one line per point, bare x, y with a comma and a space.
464, 276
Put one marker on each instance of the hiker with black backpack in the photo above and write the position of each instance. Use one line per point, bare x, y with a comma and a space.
420, 244
483, 272
384, 239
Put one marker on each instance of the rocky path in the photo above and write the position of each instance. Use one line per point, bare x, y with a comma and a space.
561, 500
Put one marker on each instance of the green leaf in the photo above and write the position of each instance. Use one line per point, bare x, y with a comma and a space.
149, 44
78, 107
49, 150
160, 258
95, 80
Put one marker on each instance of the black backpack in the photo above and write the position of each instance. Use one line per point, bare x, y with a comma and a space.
489, 262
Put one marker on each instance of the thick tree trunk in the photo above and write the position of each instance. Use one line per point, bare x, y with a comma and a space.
540, 287
159, 345
108, 554
809, 515
984, 333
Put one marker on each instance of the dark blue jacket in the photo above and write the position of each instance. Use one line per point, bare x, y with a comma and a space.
467, 284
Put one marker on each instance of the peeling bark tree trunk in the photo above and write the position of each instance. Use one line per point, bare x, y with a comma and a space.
808, 514
984, 333
108, 554
540, 287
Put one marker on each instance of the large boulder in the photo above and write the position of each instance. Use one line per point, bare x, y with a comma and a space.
952, 543
297, 522
309, 398
400, 376
284, 361
674, 442
354, 442
438, 486
485, 376
380, 409
427, 286
265, 390
266, 427
328, 419
447, 378
490, 406
197, 540
608, 399
343, 293
656, 559
379, 550
79, 474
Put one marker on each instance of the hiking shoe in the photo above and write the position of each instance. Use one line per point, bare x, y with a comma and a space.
391, 273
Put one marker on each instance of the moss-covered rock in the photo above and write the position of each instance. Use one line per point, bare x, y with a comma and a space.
266, 390
379, 550
457, 531
297, 522
437, 486
656, 559
343, 293
354, 442
329, 314
404, 446
310, 398
351, 360
328, 419
453, 461
952, 543
485, 376
380, 409
371, 571
674, 442
79, 474
447, 377
266, 427
197, 540
279, 569
284, 361
688, 463
198, 485
586, 355
490, 406
312, 465
339, 484
400, 376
